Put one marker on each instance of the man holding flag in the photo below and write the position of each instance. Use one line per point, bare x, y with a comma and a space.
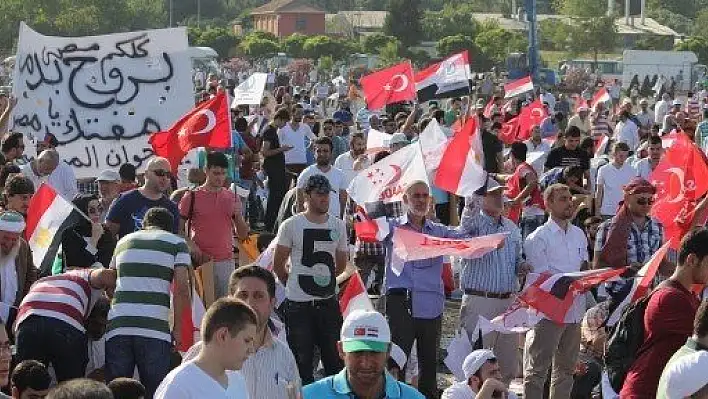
557, 247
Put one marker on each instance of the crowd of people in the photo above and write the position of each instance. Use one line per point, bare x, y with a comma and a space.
102, 319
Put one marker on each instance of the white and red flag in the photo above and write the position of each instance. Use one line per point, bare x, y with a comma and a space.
388, 86
447, 78
207, 125
354, 296
49, 214
680, 180
377, 141
639, 287
411, 245
191, 321
385, 181
553, 294
461, 169
602, 96
517, 87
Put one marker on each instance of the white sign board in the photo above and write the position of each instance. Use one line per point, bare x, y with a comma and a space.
101, 96
250, 91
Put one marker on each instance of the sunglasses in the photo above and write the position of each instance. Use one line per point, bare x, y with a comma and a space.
645, 201
162, 173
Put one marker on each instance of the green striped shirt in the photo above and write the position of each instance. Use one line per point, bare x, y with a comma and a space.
145, 261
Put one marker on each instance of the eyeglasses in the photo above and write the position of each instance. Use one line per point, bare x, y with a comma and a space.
645, 201
162, 173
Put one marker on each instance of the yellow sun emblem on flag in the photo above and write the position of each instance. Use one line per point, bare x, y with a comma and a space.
43, 238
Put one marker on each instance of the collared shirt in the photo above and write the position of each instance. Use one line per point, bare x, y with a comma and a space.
495, 271
552, 249
702, 135
422, 277
641, 244
337, 386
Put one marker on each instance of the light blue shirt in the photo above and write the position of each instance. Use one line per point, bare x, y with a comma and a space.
496, 270
337, 386
422, 277
548, 128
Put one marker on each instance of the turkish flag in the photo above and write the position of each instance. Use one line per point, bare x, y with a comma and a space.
388, 86
488, 108
509, 130
207, 125
554, 294
680, 180
530, 115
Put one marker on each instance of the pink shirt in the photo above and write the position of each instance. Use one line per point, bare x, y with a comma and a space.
212, 221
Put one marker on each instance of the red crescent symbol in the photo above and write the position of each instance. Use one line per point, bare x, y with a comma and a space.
397, 175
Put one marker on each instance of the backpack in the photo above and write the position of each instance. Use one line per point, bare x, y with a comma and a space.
625, 340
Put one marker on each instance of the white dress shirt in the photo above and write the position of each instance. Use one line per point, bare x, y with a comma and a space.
627, 132
552, 249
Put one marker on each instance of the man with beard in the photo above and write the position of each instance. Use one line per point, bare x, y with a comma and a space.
335, 176
646, 166
354, 160
315, 242
17, 271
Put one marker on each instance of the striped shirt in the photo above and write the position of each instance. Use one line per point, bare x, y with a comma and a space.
67, 297
145, 261
495, 271
600, 127
693, 108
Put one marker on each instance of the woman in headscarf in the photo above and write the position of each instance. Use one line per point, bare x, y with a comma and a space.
86, 244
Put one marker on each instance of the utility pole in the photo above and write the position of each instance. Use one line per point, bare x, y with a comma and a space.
171, 12
199, 14
533, 58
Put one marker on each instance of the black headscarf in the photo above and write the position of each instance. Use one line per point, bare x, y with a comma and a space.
81, 201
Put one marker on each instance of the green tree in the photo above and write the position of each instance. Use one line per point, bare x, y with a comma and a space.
497, 43
403, 21
294, 45
680, 23
593, 35
259, 45
372, 44
223, 40
452, 20
584, 8
687, 8
700, 26
698, 45
390, 54
320, 46
553, 34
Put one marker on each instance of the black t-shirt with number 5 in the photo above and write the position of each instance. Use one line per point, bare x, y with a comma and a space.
312, 257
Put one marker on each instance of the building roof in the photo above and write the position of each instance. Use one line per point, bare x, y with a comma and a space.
367, 20
287, 6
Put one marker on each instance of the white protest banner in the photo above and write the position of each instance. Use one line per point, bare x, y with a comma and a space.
412, 245
101, 96
250, 91
377, 141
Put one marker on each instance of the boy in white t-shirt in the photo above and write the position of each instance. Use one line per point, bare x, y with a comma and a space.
228, 331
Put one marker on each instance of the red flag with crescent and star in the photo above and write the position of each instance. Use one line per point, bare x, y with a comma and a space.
680, 182
208, 125
530, 115
388, 86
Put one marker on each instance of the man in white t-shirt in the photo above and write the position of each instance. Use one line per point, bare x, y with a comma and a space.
316, 245
610, 180
335, 176
646, 166
627, 131
354, 160
482, 378
229, 329
294, 134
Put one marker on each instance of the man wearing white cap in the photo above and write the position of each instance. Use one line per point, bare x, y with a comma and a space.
482, 379
581, 120
17, 270
108, 189
364, 347
686, 373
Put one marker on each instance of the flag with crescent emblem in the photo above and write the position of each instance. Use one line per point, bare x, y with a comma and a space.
517, 87
445, 79
388, 86
554, 294
680, 180
461, 170
530, 115
509, 130
385, 181
208, 125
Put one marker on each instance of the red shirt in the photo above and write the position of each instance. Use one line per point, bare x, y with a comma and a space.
668, 322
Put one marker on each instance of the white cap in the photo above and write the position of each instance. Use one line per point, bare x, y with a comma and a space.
365, 330
583, 108
687, 375
474, 361
108, 175
398, 138
677, 102
398, 356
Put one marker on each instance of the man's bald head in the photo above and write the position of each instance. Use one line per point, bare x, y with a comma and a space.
158, 163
